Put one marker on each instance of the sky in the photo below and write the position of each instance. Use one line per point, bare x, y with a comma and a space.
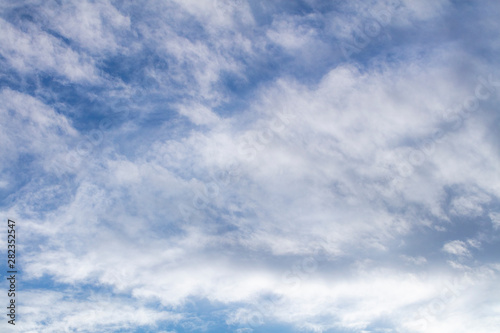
251, 165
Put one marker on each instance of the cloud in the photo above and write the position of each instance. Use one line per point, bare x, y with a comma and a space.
291, 35
306, 203
38, 51
457, 248
495, 220
199, 114
220, 165
50, 311
31, 127
415, 260
94, 26
470, 205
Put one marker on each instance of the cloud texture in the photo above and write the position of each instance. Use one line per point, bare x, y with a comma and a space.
252, 166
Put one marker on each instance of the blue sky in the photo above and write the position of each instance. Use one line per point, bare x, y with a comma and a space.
252, 166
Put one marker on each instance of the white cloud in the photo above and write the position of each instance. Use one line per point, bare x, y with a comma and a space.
95, 26
306, 202
298, 194
300, 197
38, 51
470, 205
290, 34
415, 260
199, 114
195, 64
31, 127
495, 220
51, 311
218, 14
457, 248
4, 184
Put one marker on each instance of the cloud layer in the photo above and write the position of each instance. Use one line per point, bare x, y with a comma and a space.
252, 166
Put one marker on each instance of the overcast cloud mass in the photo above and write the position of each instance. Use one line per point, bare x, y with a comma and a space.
251, 165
